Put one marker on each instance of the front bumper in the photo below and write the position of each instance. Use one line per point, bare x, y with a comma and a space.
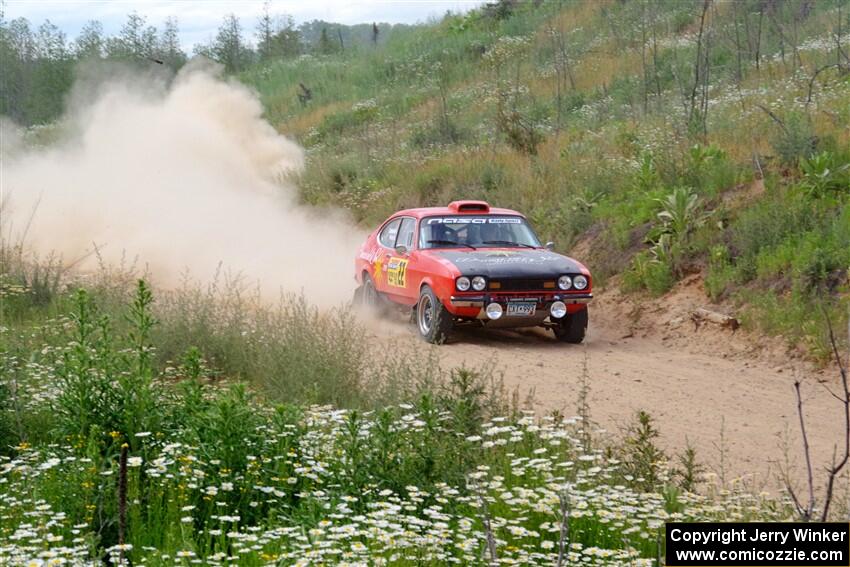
542, 299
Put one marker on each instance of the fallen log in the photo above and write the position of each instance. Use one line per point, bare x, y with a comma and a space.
725, 321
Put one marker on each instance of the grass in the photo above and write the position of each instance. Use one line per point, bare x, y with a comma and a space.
141, 462
200, 425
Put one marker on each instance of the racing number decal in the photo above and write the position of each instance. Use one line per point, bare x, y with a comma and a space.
397, 272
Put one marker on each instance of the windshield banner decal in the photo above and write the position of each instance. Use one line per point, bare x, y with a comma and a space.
475, 220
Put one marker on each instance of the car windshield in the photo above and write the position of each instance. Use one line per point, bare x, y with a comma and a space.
468, 231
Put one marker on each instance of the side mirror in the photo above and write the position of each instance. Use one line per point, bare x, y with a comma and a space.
401, 249
550, 246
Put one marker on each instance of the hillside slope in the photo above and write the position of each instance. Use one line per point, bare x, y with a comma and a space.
668, 137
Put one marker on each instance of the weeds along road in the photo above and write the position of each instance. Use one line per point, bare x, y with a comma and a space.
738, 402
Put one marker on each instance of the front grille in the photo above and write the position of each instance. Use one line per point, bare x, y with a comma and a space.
522, 284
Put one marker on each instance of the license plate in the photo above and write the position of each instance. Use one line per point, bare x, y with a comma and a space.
521, 309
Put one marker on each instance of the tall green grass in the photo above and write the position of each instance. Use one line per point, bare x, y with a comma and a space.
139, 462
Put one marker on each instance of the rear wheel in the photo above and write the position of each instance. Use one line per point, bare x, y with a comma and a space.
572, 327
368, 298
432, 319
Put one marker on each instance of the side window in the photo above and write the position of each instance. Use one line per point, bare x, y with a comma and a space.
387, 236
405, 233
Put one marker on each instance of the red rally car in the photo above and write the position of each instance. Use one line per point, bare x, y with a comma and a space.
469, 263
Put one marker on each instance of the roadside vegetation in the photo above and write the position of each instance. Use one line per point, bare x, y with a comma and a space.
116, 444
199, 424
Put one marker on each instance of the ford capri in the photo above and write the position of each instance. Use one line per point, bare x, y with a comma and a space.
471, 264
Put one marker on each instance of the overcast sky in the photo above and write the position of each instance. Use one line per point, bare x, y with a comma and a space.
199, 19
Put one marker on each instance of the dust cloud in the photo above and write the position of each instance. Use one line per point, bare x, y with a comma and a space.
184, 175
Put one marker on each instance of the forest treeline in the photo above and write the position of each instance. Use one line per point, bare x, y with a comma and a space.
38, 61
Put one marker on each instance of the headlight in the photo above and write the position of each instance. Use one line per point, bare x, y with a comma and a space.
580, 282
565, 282
478, 283
494, 311
462, 283
558, 309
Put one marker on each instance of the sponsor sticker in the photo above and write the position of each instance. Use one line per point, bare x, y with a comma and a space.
517, 258
378, 266
397, 272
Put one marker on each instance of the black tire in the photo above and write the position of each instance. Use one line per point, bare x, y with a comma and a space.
367, 297
572, 327
433, 321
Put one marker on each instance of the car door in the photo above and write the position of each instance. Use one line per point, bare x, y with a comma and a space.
383, 252
398, 264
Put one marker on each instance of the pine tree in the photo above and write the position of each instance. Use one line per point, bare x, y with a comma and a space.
325, 45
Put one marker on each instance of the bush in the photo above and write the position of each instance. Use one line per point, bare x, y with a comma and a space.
767, 223
650, 273
793, 140
823, 173
720, 272
441, 133
106, 389
8, 435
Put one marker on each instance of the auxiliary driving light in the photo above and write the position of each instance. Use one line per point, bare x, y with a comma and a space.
558, 309
494, 311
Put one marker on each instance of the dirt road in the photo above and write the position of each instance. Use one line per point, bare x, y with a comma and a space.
705, 386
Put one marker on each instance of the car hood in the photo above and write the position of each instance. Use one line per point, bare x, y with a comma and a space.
513, 263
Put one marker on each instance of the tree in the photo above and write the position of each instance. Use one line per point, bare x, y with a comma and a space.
50, 42
17, 53
326, 46
698, 108
277, 36
229, 48
265, 31
89, 44
134, 41
168, 47
51, 75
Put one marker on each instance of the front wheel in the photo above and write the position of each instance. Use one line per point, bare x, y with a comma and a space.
432, 319
572, 327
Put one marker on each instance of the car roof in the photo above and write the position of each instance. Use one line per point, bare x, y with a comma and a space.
457, 208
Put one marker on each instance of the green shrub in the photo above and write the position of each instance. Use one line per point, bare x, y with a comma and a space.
767, 223
681, 214
794, 139
8, 436
822, 173
106, 387
709, 169
650, 273
443, 132
643, 460
720, 272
